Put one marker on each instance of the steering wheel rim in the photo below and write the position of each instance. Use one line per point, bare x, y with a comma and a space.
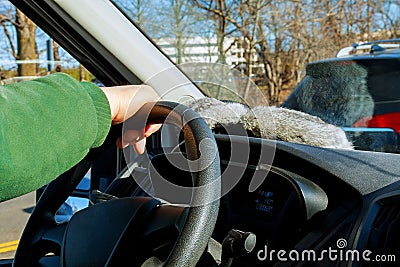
201, 219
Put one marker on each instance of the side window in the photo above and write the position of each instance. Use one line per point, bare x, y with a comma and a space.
28, 52
42, 56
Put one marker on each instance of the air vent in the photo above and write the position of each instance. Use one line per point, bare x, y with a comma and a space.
385, 230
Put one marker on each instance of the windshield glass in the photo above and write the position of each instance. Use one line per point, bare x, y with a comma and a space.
185, 34
280, 53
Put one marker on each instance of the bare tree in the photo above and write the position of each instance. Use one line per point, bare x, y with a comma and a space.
247, 24
219, 11
140, 11
389, 13
7, 19
56, 56
182, 18
25, 48
177, 18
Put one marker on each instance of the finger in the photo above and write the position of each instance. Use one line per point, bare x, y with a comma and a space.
140, 146
119, 143
130, 137
150, 129
136, 137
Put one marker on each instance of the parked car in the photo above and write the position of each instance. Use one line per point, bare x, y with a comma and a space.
253, 202
357, 90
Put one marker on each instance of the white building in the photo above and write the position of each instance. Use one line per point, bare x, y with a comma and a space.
201, 49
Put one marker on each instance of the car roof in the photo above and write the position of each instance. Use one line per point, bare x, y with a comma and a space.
370, 49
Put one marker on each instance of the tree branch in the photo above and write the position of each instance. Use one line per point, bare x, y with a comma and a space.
3, 23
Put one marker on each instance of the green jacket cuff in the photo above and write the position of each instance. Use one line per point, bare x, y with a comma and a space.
103, 111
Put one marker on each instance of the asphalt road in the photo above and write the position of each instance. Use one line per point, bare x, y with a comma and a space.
13, 216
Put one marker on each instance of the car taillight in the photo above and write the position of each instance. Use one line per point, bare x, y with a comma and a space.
389, 120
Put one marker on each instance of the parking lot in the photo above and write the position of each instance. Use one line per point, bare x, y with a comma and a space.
13, 217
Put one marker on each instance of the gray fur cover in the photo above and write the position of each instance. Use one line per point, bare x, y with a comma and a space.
272, 123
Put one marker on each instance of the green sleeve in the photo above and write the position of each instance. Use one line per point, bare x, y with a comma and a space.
47, 125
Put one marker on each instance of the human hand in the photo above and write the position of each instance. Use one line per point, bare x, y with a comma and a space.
124, 102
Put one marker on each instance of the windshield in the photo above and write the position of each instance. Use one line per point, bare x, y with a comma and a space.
358, 94
185, 34
258, 53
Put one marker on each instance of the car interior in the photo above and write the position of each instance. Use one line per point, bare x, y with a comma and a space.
200, 196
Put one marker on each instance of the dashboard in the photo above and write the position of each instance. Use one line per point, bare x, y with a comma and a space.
349, 195
299, 198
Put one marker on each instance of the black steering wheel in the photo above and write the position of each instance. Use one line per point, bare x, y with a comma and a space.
43, 235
